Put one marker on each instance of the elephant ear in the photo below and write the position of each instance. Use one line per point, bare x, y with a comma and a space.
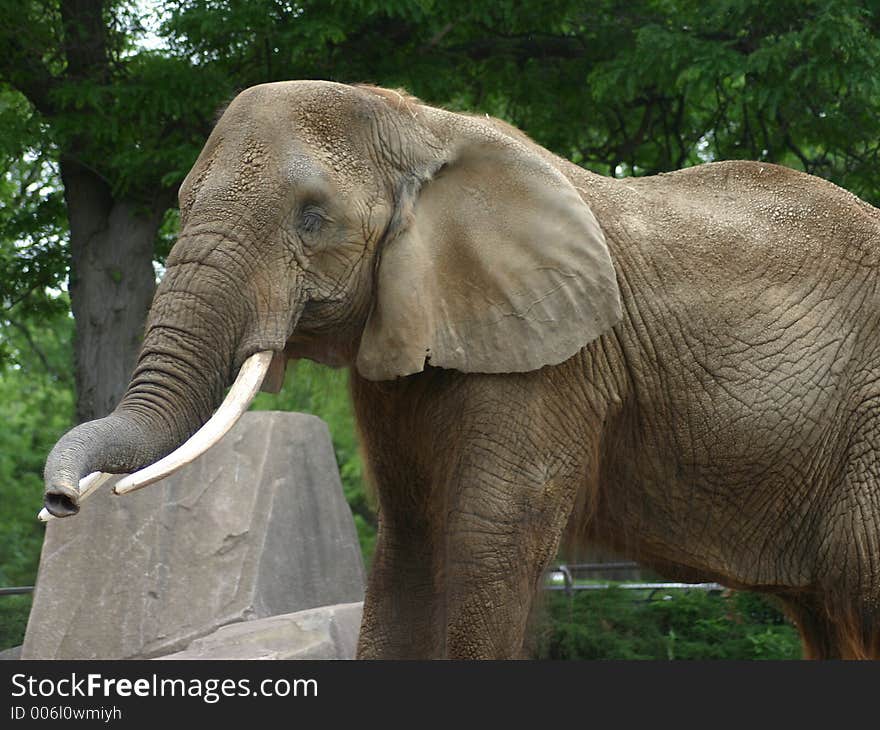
497, 265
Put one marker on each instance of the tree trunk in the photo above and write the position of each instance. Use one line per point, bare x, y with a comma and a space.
112, 282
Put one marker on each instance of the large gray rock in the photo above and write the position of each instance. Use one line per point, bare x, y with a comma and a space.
329, 632
257, 526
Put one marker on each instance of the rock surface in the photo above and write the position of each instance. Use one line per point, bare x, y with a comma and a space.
329, 632
13, 653
257, 526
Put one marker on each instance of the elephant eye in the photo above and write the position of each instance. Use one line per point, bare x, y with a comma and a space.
311, 219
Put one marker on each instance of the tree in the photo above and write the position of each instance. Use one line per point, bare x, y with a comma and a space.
100, 117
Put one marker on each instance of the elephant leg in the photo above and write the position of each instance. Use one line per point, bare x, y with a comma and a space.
834, 630
501, 535
477, 477
818, 634
841, 619
398, 621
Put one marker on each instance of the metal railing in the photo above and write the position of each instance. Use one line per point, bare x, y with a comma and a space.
569, 585
16, 590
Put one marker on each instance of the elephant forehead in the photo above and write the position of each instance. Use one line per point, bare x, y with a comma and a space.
326, 124
238, 169
245, 168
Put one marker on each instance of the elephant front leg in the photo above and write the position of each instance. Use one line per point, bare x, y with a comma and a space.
398, 620
503, 530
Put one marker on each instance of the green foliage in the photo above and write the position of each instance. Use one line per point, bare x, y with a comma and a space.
795, 83
14, 611
32, 227
147, 128
632, 87
616, 624
36, 407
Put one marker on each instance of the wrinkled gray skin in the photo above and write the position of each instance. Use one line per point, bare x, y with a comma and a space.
708, 406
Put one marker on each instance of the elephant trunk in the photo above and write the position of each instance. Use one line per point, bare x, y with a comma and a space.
140, 449
117, 443
200, 329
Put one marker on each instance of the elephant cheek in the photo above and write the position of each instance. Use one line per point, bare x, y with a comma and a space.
273, 328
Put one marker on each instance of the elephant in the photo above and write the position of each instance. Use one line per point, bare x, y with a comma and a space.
683, 368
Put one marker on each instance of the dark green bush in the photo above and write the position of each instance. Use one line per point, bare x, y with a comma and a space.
14, 612
622, 624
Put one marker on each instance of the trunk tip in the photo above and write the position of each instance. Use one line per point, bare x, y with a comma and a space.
61, 501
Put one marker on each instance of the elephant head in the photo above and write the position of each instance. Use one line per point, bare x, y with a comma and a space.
352, 226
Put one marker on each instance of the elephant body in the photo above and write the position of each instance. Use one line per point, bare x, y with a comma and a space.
683, 368
727, 428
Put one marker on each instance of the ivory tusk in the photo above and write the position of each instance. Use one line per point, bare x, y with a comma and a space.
87, 485
237, 401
